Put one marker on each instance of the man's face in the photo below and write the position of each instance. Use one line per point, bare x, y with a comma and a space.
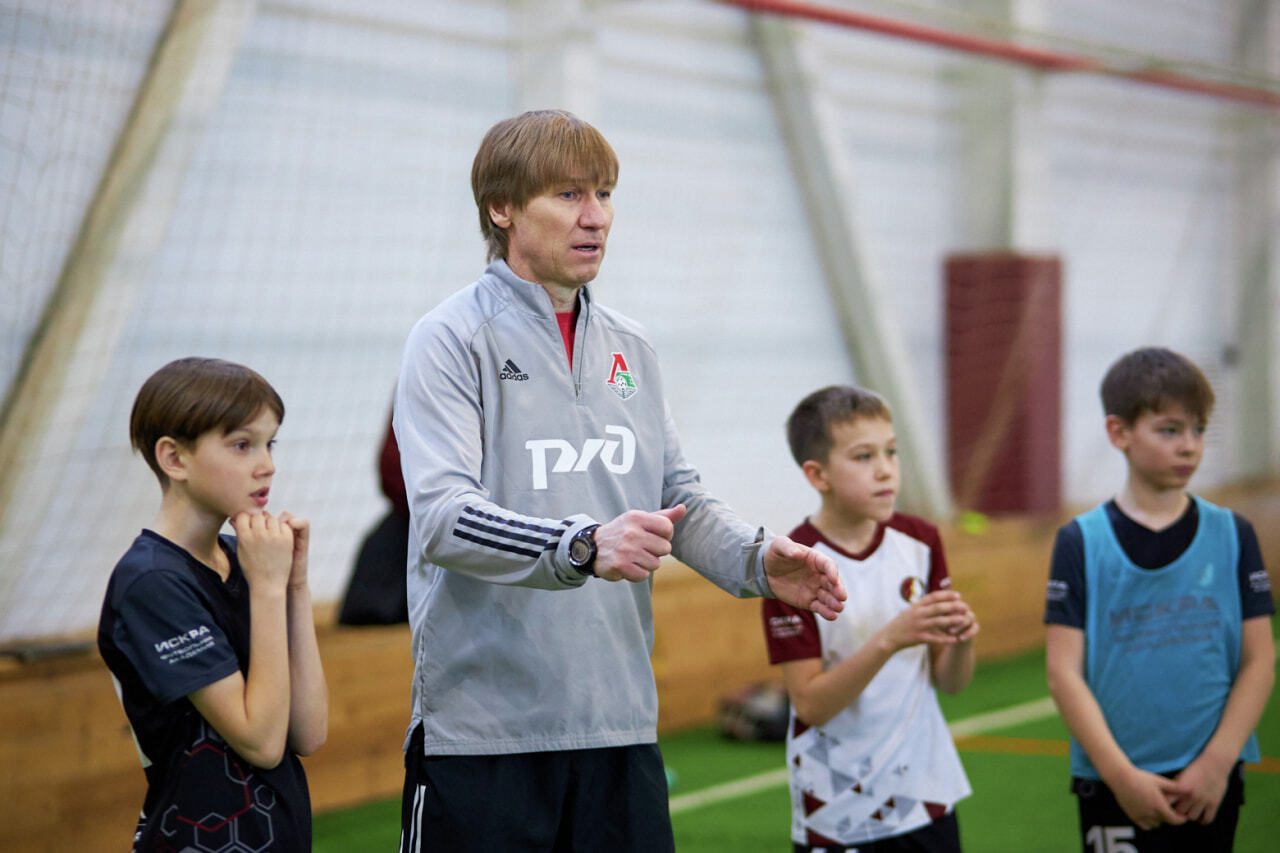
557, 239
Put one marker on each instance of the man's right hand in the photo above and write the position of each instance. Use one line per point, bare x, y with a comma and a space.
632, 545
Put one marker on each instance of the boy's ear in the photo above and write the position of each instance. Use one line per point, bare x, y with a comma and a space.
1118, 430
170, 456
816, 474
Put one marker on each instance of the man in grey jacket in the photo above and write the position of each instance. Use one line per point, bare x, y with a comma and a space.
542, 467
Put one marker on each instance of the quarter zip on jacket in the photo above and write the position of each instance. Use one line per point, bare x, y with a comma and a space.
579, 345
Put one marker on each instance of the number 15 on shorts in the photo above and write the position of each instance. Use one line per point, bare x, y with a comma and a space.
1110, 839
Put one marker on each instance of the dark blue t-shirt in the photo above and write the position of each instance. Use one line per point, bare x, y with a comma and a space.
1149, 549
169, 627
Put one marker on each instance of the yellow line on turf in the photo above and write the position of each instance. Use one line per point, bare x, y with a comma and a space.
970, 737
1048, 746
965, 731
1013, 745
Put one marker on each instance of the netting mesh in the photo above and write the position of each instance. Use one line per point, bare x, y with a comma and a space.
301, 213
322, 204
311, 223
69, 73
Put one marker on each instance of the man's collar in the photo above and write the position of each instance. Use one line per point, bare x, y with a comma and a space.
528, 294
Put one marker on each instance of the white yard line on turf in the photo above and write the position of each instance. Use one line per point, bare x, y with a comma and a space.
990, 721
1011, 716
729, 790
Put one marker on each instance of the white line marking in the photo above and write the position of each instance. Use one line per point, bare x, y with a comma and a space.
1024, 713
1011, 716
729, 790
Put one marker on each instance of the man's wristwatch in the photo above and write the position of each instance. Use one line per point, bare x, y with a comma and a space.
582, 550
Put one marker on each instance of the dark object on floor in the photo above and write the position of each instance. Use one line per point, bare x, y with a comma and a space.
756, 712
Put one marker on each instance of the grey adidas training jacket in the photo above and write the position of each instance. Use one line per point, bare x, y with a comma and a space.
506, 453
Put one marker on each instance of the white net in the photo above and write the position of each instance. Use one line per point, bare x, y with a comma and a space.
292, 193
303, 228
69, 73
320, 204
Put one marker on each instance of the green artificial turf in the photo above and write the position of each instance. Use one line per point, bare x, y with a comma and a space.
702, 757
1020, 801
371, 826
760, 821
997, 685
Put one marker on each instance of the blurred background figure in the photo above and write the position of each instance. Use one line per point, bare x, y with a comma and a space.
376, 594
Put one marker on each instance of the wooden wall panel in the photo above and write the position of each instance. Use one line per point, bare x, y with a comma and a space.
369, 672
72, 779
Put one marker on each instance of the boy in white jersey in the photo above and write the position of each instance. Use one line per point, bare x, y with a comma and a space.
873, 767
1159, 650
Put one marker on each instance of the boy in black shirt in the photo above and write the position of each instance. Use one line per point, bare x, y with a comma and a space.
210, 638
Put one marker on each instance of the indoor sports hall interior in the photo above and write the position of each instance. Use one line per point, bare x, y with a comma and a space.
971, 206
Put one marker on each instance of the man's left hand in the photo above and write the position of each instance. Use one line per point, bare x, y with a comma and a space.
802, 577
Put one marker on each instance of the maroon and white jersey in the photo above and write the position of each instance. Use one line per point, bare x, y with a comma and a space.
886, 764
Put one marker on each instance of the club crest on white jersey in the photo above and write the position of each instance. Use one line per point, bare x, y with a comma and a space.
617, 455
912, 589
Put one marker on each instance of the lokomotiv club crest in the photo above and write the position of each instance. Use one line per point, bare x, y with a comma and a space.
620, 378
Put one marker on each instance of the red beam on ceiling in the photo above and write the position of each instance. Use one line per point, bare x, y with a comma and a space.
1044, 60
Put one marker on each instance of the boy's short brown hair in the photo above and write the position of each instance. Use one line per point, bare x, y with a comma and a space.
192, 396
522, 156
1148, 379
809, 426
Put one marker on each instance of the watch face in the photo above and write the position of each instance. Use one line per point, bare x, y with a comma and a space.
579, 551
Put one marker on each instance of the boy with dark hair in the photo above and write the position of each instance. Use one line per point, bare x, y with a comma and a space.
1159, 649
873, 767
210, 638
